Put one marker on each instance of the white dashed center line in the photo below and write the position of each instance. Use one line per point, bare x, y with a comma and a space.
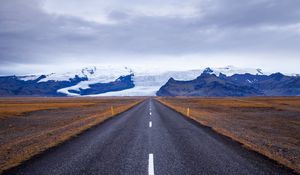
150, 165
150, 124
150, 113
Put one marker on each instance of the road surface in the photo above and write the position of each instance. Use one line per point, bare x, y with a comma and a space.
149, 139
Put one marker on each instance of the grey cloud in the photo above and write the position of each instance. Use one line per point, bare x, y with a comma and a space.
118, 15
29, 35
250, 13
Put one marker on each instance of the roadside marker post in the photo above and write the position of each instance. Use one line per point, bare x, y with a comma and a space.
188, 112
112, 110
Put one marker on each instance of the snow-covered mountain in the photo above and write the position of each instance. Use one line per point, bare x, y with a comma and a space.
93, 75
106, 81
208, 85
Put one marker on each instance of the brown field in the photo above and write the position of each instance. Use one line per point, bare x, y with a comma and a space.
29, 126
270, 126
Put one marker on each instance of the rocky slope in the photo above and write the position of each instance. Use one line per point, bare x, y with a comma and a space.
208, 84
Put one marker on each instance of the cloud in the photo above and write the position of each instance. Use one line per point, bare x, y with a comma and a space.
98, 11
48, 31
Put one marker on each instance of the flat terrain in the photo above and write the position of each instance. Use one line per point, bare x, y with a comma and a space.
270, 126
150, 139
31, 125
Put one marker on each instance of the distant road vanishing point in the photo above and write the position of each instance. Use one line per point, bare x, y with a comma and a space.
149, 139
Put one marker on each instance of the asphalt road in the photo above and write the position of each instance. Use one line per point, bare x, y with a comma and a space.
149, 139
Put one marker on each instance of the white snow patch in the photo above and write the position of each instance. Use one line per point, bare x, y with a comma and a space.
231, 70
28, 77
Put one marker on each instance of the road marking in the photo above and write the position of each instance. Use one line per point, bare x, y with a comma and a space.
150, 113
150, 124
150, 165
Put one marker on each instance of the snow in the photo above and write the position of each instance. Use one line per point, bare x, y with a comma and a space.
101, 74
136, 91
231, 70
65, 76
294, 75
28, 77
58, 77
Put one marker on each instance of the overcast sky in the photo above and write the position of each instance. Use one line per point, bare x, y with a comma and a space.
55, 35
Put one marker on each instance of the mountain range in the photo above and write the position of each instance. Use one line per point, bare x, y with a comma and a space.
123, 81
209, 84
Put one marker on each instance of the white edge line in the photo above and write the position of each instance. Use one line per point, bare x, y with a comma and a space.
150, 165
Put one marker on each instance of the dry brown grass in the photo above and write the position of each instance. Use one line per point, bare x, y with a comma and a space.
36, 124
12, 109
270, 126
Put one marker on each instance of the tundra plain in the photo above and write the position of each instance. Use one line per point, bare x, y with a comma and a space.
268, 125
29, 126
